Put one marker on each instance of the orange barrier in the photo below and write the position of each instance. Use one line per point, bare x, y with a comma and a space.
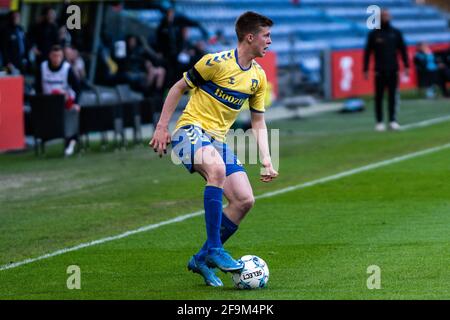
12, 134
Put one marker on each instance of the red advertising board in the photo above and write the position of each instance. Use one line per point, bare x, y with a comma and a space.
348, 78
11, 114
269, 64
5, 3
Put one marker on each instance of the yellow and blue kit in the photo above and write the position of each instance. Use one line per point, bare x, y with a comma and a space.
220, 88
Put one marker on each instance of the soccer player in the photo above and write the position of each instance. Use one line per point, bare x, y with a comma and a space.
221, 83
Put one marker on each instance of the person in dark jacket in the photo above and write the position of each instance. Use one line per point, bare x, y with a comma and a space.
443, 60
44, 35
14, 44
386, 43
171, 38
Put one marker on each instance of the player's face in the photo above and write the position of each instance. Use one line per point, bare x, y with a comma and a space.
262, 41
56, 58
385, 16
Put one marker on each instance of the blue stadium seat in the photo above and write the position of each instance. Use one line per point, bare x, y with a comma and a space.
312, 25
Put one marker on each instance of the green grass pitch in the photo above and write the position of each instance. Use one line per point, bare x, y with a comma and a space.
318, 241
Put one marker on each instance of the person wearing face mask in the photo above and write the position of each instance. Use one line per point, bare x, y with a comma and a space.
386, 43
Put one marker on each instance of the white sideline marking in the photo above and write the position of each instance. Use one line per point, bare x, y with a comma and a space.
198, 213
425, 123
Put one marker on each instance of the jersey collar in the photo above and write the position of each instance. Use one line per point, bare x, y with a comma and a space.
237, 61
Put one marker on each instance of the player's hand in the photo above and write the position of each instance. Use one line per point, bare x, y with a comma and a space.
268, 173
160, 140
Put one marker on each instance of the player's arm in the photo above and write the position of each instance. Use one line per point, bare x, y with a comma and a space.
257, 102
404, 53
367, 52
203, 71
161, 136
268, 173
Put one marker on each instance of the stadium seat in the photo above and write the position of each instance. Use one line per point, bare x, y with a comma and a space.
130, 109
311, 25
100, 113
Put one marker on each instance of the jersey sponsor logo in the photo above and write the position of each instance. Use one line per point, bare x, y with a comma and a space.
231, 98
236, 101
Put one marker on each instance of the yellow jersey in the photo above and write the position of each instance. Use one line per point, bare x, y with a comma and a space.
220, 88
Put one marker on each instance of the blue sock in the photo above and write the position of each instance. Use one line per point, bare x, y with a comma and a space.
213, 215
227, 229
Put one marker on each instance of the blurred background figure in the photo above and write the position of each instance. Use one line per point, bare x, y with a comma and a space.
56, 76
443, 59
64, 37
314, 59
72, 56
386, 43
427, 69
139, 69
44, 35
14, 45
171, 36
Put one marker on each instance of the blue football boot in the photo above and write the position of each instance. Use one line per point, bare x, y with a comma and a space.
200, 267
218, 257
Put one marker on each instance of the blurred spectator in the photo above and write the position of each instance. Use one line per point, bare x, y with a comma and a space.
219, 39
44, 35
158, 70
76, 62
14, 45
218, 42
443, 59
196, 52
386, 43
137, 68
427, 69
55, 76
107, 67
64, 37
172, 40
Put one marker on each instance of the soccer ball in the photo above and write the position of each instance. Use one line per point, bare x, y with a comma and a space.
255, 273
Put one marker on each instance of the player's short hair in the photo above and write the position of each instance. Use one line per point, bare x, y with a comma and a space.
46, 10
250, 22
56, 47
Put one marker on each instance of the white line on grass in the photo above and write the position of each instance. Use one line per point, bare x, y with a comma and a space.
425, 123
198, 213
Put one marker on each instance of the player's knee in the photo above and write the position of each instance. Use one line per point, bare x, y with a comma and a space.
217, 176
247, 203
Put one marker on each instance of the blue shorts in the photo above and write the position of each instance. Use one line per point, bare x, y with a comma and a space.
188, 139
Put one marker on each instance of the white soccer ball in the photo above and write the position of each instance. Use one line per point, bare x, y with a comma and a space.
255, 273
